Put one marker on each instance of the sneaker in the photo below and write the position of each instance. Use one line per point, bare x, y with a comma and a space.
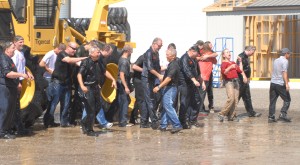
272, 119
129, 125
7, 135
255, 114
212, 110
108, 125
220, 117
284, 117
233, 119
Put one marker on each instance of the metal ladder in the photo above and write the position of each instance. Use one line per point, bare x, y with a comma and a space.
220, 44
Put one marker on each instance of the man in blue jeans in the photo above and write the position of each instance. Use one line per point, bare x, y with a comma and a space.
169, 91
60, 87
124, 86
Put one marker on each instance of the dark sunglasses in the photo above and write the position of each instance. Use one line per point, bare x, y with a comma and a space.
73, 48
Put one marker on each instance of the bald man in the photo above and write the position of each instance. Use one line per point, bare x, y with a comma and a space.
60, 87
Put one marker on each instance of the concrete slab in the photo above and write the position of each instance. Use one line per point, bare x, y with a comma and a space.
249, 141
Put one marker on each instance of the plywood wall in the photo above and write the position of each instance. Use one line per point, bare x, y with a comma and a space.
270, 34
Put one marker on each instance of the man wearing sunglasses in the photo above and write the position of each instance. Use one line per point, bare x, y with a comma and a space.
60, 87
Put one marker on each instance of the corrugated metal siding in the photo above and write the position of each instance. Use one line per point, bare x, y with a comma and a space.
65, 9
255, 13
275, 3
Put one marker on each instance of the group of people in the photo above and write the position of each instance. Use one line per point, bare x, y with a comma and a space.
12, 74
173, 93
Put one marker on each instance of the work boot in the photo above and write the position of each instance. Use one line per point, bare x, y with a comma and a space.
7, 135
272, 119
52, 125
175, 130
255, 114
144, 124
155, 125
83, 128
185, 126
196, 124
162, 129
284, 117
91, 133
23, 132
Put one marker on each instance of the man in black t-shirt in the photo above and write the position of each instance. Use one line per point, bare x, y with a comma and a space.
124, 87
60, 87
169, 90
139, 91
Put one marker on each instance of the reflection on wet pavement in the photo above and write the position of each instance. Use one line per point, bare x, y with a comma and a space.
249, 141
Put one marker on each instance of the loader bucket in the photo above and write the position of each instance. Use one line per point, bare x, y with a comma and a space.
27, 93
109, 93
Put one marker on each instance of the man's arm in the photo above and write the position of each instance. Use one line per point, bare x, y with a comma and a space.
188, 72
156, 74
73, 59
166, 81
43, 65
137, 68
150, 67
13, 75
122, 77
80, 81
286, 80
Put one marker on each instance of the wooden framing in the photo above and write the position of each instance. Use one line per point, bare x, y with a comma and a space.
270, 34
227, 5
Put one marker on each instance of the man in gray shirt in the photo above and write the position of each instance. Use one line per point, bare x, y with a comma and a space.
280, 87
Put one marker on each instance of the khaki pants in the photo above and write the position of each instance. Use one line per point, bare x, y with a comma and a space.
232, 90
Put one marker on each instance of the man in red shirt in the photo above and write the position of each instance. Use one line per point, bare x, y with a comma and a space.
206, 59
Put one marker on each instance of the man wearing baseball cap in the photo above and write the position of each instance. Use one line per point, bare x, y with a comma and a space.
280, 87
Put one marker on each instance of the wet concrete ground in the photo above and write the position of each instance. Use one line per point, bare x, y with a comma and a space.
249, 141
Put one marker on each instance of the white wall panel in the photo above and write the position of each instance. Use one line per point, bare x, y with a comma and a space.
230, 26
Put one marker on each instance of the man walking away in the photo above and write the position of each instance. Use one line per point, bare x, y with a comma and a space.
280, 86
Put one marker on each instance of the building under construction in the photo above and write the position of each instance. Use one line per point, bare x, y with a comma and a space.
267, 24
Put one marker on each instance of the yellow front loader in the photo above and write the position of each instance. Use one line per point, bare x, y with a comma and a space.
39, 23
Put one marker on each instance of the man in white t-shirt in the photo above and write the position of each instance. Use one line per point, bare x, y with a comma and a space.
20, 62
48, 61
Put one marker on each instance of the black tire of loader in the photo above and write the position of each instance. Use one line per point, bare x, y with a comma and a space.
39, 101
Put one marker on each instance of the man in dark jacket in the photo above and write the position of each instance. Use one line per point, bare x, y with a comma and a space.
151, 75
244, 87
